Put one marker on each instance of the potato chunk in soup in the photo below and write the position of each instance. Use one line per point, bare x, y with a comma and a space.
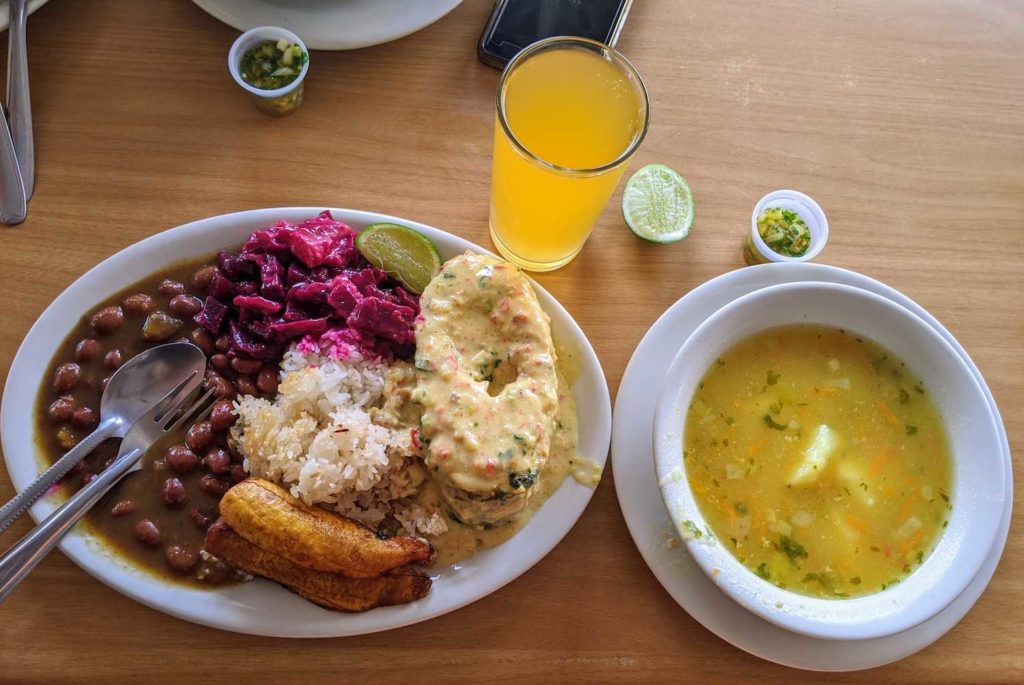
819, 460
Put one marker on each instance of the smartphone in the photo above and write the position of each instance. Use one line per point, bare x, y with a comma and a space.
514, 24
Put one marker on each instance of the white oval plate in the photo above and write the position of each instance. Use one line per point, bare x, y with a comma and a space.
261, 607
333, 24
648, 521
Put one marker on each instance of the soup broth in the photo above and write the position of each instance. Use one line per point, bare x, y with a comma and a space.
819, 460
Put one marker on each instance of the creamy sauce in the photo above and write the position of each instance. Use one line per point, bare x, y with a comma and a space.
487, 387
462, 541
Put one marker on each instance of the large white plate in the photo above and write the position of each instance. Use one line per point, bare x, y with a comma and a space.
333, 24
649, 523
261, 607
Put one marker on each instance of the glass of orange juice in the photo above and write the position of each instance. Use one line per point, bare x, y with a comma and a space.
571, 112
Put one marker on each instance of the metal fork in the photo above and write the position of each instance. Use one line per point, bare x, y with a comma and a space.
168, 415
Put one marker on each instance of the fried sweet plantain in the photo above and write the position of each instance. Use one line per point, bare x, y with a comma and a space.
330, 590
270, 518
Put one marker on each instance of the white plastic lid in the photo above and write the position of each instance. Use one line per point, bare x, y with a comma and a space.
809, 210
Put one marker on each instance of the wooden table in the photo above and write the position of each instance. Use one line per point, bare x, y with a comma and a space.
904, 119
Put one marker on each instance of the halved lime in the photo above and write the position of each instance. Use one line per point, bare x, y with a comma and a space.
407, 255
657, 204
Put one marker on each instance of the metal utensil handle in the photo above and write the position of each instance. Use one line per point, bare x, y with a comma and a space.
12, 191
19, 103
10, 512
31, 549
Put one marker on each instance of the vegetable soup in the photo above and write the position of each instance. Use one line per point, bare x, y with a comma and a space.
819, 460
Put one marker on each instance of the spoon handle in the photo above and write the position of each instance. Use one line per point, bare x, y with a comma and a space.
27, 497
31, 549
19, 105
12, 191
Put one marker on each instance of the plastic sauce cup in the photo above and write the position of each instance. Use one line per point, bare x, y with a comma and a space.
278, 102
756, 251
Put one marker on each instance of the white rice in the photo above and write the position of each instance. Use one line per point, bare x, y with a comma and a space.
317, 439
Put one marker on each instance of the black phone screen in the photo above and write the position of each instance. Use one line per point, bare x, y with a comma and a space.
518, 23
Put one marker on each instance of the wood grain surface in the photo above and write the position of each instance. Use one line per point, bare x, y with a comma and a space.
904, 118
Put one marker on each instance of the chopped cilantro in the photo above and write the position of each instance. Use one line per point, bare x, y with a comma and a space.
523, 479
791, 548
762, 570
773, 377
904, 396
855, 580
771, 424
911, 430
741, 508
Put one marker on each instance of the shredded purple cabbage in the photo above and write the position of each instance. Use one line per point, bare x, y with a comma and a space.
305, 281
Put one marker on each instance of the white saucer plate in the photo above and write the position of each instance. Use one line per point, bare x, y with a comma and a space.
652, 530
261, 607
333, 24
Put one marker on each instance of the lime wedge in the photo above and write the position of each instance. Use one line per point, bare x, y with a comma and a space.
407, 255
657, 204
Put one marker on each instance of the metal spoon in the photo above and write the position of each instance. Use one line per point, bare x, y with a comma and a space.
19, 105
130, 393
166, 416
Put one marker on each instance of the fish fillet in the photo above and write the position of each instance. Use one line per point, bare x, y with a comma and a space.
270, 518
330, 590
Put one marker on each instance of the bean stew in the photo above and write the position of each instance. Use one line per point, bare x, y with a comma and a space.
157, 517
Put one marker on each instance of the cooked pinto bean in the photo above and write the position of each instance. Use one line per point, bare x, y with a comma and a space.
62, 409
201, 520
218, 461
160, 327
268, 380
123, 508
113, 359
87, 349
213, 486
202, 339
199, 436
174, 491
138, 304
181, 558
170, 288
181, 459
201, 281
184, 306
67, 377
107, 320
147, 533
245, 386
246, 367
224, 388
84, 417
238, 473
220, 362
223, 343
222, 415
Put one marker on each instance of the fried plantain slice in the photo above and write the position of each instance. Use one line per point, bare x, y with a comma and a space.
269, 517
330, 590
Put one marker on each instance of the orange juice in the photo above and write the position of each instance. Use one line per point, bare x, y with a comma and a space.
570, 114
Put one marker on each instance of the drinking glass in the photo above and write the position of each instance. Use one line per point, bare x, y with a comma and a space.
570, 114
